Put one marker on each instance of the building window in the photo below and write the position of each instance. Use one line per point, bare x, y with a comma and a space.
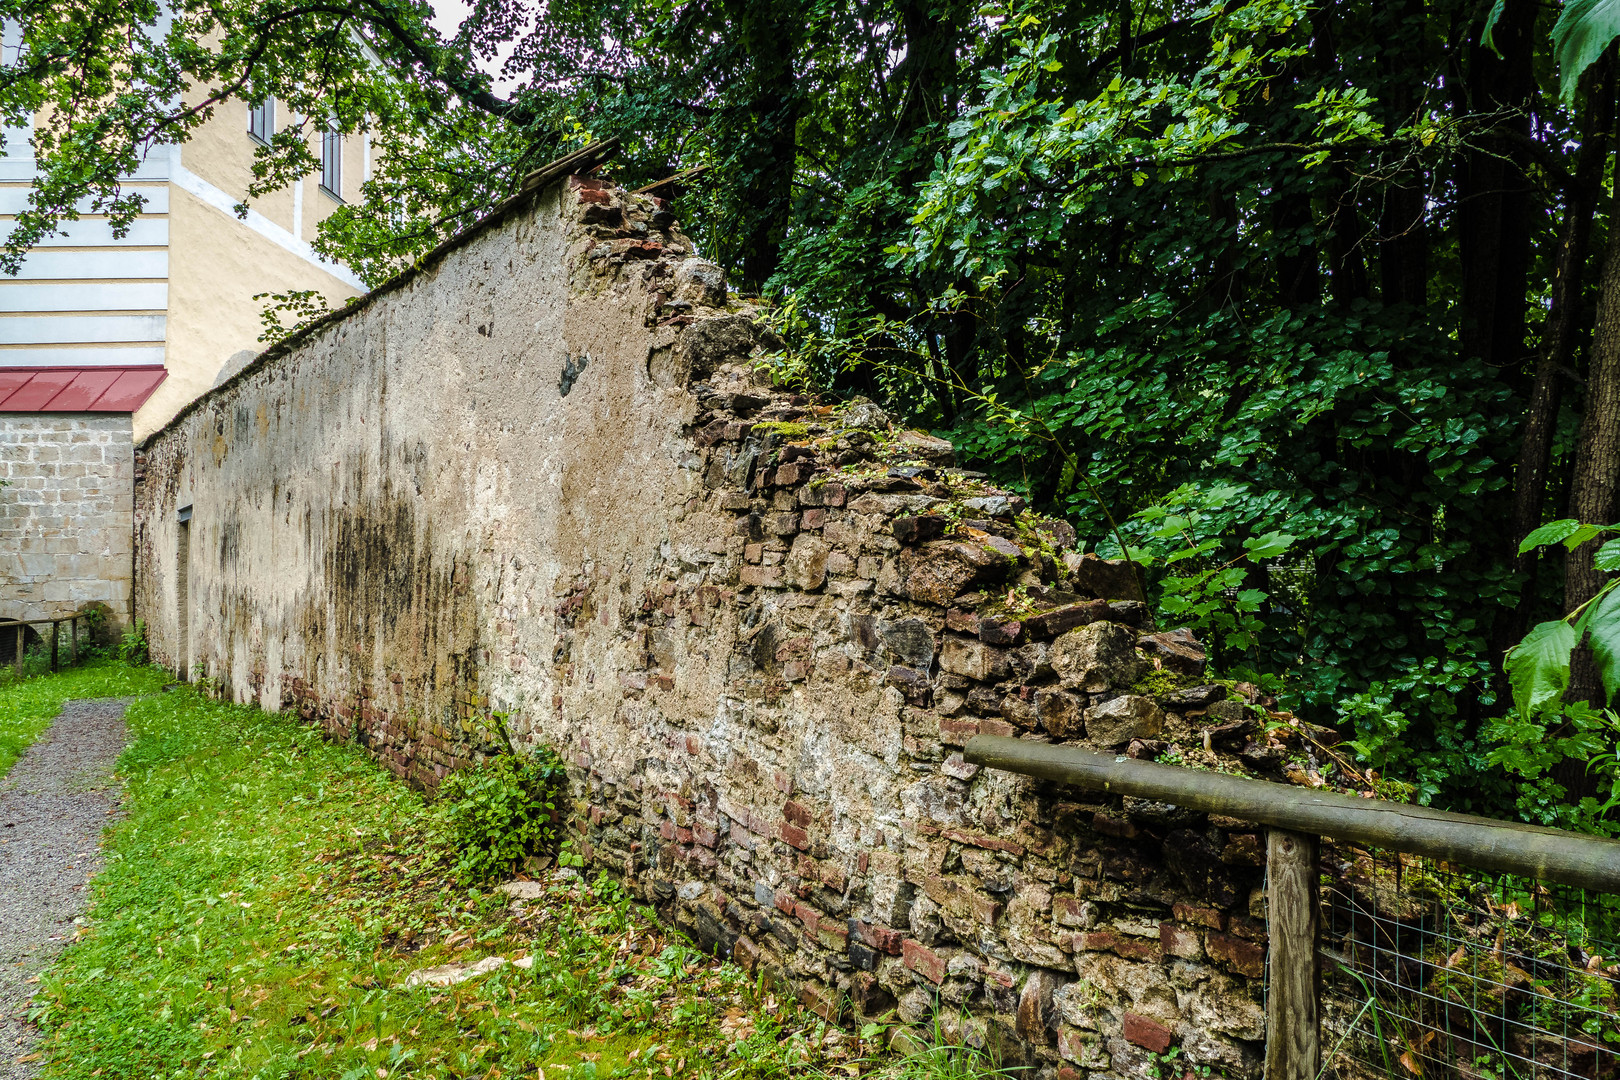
332, 164
262, 120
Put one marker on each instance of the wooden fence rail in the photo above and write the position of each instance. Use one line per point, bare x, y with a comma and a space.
19, 627
1296, 819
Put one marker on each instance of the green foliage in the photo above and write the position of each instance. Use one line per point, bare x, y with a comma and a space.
1210, 594
1539, 666
303, 305
1584, 31
501, 811
1530, 745
132, 647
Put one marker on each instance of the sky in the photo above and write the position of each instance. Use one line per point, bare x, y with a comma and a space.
447, 17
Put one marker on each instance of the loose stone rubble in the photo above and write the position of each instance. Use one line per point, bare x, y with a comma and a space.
759, 627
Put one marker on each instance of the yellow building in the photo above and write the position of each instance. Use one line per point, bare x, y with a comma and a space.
177, 290
104, 338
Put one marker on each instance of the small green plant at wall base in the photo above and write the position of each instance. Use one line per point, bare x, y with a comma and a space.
498, 813
132, 647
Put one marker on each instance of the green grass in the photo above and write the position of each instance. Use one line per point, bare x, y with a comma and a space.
269, 891
28, 706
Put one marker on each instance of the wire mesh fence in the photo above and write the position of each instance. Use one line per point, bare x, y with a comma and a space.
1437, 971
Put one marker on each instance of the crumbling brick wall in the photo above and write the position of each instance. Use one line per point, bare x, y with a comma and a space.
544, 476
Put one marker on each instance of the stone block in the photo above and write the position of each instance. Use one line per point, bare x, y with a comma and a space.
806, 564
1106, 579
1060, 714
1118, 721
1097, 657
972, 659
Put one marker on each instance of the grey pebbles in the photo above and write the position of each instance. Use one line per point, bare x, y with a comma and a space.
54, 804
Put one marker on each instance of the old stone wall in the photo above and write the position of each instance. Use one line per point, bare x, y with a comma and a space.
66, 514
542, 477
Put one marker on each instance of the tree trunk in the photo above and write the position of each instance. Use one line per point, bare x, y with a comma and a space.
1593, 487
1559, 334
773, 35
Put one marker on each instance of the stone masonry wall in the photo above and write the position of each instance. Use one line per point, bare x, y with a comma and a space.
543, 476
66, 514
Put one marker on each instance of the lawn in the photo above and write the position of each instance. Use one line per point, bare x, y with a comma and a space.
269, 892
28, 706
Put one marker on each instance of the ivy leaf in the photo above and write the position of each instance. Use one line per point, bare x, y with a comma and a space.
1582, 32
1538, 666
1268, 545
1603, 630
1607, 557
1550, 533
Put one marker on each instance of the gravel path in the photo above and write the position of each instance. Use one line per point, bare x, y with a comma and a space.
54, 804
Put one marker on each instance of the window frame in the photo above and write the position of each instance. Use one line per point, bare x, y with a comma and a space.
332, 163
265, 111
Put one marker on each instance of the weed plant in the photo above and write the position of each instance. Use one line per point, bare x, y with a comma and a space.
501, 812
269, 891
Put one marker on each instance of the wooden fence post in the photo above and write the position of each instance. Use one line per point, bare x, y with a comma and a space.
56, 633
1293, 1046
73, 640
22, 638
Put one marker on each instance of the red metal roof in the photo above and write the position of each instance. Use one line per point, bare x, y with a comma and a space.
78, 389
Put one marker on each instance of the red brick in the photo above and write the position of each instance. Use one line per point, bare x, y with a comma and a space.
1131, 948
794, 836
1243, 957
1199, 916
877, 936
705, 836
797, 813
785, 903
745, 953
923, 960
1150, 1035
808, 915
993, 843
956, 732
